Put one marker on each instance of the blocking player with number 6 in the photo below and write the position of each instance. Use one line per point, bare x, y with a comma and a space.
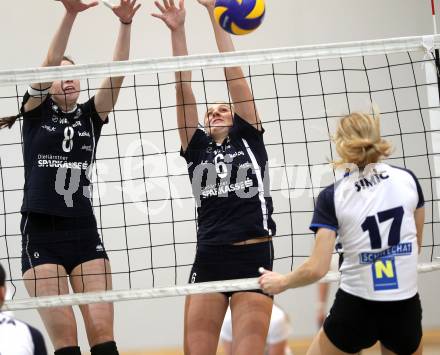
377, 212
227, 164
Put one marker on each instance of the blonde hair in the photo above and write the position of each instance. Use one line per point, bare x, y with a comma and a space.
358, 140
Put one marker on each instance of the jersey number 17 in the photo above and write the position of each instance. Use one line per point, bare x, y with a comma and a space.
371, 226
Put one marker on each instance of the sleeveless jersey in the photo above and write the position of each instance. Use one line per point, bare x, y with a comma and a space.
18, 338
58, 151
373, 213
230, 182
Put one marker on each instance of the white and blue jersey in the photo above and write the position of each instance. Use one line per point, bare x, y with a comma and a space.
18, 338
373, 215
230, 183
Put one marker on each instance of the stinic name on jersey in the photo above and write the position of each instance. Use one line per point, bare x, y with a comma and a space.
365, 183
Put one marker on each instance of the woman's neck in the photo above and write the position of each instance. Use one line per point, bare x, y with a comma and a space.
220, 137
66, 107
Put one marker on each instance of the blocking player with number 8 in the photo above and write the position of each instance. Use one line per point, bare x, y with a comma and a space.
60, 240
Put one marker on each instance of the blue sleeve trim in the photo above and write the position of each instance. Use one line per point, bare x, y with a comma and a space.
325, 211
315, 226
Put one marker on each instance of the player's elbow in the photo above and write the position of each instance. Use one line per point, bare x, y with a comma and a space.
321, 272
317, 271
312, 271
315, 274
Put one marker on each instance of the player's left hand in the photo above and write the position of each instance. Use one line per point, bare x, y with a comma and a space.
125, 10
271, 282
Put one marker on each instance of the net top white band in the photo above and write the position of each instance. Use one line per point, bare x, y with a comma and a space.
220, 60
126, 295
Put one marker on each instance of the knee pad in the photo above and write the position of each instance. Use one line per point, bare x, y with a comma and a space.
108, 348
70, 350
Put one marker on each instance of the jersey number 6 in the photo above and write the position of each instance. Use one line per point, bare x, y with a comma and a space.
370, 225
220, 166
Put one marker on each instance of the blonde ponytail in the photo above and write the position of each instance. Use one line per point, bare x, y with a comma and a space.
358, 140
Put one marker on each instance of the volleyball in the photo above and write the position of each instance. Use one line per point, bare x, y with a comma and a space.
239, 17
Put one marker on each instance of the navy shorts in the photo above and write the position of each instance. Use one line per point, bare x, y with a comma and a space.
355, 323
229, 262
66, 241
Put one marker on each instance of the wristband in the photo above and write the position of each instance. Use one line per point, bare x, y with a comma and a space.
126, 23
37, 92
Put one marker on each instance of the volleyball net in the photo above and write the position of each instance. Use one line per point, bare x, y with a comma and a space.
142, 196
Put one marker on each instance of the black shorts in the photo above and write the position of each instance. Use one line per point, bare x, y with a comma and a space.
355, 323
66, 241
229, 262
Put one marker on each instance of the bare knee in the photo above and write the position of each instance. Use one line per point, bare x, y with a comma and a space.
98, 320
203, 319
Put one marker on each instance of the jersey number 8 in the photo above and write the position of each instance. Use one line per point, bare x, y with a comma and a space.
68, 139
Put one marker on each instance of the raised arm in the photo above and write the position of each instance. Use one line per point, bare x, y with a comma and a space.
108, 93
310, 271
57, 48
187, 116
241, 94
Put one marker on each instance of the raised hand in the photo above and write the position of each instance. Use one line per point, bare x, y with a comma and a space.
207, 3
170, 14
125, 10
75, 6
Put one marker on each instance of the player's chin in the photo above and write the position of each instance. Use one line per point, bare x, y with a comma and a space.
72, 97
221, 129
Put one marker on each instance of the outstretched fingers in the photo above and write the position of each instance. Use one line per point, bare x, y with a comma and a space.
171, 15
159, 6
125, 10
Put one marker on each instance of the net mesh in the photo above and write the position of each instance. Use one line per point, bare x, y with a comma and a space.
142, 196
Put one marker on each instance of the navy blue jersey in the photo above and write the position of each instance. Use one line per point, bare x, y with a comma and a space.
230, 183
58, 151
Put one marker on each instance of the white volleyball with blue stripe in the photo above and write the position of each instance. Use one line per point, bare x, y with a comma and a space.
239, 17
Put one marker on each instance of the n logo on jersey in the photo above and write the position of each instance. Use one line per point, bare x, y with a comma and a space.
384, 274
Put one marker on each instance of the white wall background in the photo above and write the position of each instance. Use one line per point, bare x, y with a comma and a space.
26, 28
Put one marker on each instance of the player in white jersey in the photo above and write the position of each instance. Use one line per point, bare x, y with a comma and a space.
279, 329
17, 338
377, 212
